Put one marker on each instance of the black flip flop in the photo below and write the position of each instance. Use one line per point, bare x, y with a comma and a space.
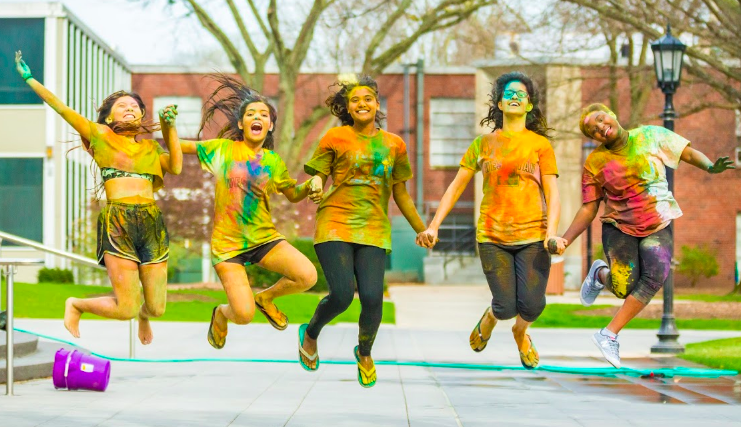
481, 337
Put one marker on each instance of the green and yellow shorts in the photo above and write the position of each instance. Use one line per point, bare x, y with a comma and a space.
133, 231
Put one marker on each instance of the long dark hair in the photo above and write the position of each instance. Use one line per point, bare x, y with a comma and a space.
535, 120
337, 102
126, 128
231, 99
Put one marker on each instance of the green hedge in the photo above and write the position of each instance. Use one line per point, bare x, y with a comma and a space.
55, 275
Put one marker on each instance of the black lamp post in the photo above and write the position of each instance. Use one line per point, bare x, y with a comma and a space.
586, 149
668, 52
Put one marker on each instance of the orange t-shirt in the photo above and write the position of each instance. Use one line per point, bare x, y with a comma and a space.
363, 170
513, 209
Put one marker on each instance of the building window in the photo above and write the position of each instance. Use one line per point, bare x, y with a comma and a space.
189, 114
21, 192
26, 35
452, 124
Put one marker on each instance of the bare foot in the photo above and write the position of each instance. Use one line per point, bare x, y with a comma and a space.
145, 331
72, 318
310, 348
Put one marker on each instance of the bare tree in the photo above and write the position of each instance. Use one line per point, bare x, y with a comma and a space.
392, 27
714, 24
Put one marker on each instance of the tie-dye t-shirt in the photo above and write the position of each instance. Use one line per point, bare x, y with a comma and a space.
244, 182
513, 208
111, 150
632, 180
363, 170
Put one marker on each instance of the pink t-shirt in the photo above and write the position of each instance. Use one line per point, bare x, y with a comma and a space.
632, 180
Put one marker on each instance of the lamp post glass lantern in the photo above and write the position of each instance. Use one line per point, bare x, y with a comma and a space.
668, 55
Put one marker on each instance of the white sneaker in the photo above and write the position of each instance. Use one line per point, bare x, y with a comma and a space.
609, 347
591, 287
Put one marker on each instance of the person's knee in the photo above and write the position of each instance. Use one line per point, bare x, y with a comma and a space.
307, 278
646, 289
128, 309
242, 316
530, 310
341, 300
504, 311
156, 309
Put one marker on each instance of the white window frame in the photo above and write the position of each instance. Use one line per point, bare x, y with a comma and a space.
189, 117
452, 123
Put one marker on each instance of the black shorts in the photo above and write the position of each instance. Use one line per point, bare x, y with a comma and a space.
254, 255
135, 232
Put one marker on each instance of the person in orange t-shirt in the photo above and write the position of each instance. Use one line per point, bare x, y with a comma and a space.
353, 232
519, 210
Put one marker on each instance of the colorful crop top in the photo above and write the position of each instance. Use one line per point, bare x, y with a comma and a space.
111, 173
113, 151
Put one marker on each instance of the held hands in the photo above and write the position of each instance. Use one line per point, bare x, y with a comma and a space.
316, 192
555, 245
428, 238
168, 114
21, 66
720, 165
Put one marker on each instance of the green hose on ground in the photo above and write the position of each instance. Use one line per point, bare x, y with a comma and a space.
603, 372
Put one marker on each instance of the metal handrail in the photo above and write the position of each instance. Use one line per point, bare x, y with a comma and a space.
10, 264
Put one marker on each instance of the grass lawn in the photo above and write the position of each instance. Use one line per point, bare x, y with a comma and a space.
710, 298
46, 301
562, 316
721, 354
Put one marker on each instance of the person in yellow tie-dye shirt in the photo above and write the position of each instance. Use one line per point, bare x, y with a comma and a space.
353, 233
247, 171
519, 210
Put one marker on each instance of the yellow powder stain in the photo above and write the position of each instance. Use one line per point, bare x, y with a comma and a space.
621, 279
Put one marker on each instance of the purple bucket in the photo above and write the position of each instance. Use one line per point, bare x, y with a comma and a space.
75, 370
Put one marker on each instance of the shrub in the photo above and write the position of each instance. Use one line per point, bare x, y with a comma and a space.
696, 262
55, 275
261, 278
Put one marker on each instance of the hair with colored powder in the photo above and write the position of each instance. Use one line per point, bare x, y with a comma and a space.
231, 99
535, 120
337, 102
585, 112
136, 127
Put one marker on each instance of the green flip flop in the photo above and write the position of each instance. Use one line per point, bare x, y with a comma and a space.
365, 375
302, 352
274, 323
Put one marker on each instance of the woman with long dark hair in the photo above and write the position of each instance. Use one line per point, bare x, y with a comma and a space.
133, 243
353, 232
519, 210
247, 171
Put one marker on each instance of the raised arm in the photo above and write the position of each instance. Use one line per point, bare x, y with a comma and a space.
172, 161
701, 161
75, 119
428, 238
406, 206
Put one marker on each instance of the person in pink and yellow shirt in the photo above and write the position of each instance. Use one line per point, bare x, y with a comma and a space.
628, 173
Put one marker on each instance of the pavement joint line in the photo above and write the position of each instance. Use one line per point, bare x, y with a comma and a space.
256, 397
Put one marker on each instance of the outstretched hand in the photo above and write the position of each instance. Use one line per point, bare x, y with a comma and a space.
316, 192
721, 164
168, 114
21, 67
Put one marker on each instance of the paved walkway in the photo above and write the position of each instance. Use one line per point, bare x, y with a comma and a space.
433, 326
282, 394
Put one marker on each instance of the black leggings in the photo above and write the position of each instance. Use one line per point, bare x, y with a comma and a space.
639, 266
517, 276
344, 264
